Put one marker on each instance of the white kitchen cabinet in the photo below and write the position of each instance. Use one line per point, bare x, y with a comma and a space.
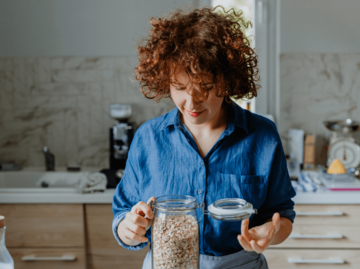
323, 236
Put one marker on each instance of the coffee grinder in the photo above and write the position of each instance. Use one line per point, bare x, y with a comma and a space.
120, 135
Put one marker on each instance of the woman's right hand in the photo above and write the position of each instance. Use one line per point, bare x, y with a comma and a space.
132, 229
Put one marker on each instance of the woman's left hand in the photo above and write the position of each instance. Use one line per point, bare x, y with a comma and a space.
260, 237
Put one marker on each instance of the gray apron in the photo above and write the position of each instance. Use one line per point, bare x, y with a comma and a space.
238, 260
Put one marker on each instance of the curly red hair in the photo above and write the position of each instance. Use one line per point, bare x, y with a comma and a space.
203, 42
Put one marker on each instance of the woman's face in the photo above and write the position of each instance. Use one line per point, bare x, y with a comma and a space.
193, 110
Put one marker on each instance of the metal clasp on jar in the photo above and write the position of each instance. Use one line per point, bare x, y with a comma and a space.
202, 206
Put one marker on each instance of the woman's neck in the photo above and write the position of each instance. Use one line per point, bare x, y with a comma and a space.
210, 128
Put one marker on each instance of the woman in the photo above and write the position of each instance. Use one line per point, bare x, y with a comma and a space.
207, 147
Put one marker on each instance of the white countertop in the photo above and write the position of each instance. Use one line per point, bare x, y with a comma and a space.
53, 196
326, 197
334, 197
57, 198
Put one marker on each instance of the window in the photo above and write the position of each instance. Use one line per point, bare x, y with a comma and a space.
247, 8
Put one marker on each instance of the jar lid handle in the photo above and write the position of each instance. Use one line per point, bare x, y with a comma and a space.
202, 206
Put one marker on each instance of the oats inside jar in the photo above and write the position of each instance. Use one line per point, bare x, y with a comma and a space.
175, 242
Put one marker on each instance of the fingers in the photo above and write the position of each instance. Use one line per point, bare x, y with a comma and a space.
245, 229
141, 208
137, 219
256, 247
276, 221
244, 243
134, 227
133, 236
244, 237
151, 199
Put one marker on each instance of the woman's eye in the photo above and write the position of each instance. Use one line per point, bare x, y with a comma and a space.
179, 89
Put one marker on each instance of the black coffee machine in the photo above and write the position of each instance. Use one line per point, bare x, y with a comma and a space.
120, 138
120, 135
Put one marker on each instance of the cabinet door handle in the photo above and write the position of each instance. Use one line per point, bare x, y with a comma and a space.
329, 261
316, 236
320, 214
31, 258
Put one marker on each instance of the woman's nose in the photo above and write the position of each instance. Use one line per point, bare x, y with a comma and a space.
191, 101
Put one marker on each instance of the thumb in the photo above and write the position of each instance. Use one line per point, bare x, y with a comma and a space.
276, 221
151, 199
150, 221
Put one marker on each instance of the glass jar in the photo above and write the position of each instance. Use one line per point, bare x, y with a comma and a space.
175, 228
175, 233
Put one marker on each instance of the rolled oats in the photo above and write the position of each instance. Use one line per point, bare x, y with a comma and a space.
175, 242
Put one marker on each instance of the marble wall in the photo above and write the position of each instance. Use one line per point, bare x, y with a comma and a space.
315, 87
62, 102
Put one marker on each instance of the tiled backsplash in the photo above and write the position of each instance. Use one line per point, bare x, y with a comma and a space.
62, 102
317, 87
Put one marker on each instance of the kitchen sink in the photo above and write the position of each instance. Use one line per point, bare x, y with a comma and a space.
32, 181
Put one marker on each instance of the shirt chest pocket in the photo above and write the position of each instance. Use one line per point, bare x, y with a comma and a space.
248, 187
253, 189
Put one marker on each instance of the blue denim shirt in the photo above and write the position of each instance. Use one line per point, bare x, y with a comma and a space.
247, 162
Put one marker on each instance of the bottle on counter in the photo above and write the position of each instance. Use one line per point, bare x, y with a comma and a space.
6, 262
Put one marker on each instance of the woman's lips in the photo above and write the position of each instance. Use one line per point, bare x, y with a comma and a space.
194, 114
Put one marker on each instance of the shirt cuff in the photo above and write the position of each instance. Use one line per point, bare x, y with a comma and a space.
286, 213
289, 214
115, 224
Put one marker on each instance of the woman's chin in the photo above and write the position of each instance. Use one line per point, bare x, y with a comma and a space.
196, 120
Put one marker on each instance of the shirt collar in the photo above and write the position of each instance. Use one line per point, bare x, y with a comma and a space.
236, 115
171, 119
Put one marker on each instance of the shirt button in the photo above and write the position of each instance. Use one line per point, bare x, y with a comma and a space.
201, 163
199, 191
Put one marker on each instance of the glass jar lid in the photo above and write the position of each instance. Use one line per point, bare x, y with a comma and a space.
230, 209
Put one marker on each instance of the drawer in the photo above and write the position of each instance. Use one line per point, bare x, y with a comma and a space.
313, 236
44, 258
347, 215
103, 250
312, 259
39, 225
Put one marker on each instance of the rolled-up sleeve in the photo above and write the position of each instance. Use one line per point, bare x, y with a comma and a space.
127, 195
280, 190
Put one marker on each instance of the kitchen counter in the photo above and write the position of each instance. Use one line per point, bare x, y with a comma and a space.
57, 198
30, 197
329, 197
46, 196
